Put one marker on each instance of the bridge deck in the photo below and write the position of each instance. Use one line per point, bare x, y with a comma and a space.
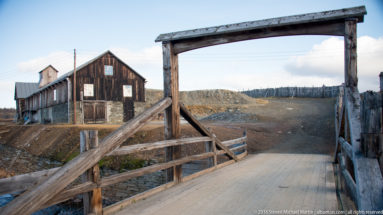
267, 181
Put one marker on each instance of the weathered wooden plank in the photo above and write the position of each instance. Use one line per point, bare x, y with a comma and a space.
153, 168
111, 209
336, 28
310, 19
70, 193
339, 121
42, 193
346, 148
172, 113
23, 182
350, 183
92, 201
201, 129
124, 150
234, 141
369, 183
350, 64
368, 177
244, 146
370, 111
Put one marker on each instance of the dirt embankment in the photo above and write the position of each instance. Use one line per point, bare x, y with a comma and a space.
280, 125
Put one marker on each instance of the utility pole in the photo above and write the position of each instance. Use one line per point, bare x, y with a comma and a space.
74, 89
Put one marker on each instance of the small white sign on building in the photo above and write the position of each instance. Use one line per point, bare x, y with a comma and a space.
127, 90
88, 90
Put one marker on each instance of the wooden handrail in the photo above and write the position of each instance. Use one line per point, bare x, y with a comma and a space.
234, 141
368, 183
346, 147
123, 150
34, 199
22, 182
113, 179
52, 190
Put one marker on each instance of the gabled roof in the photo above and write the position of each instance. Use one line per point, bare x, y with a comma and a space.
68, 74
48, 67
24, 90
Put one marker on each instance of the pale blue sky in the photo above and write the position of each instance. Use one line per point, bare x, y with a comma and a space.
36, 33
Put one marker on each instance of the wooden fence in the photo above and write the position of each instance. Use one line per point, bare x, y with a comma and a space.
304, 92
360, 173
48, 187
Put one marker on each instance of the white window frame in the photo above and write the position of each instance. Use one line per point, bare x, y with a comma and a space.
88, 90
107, 68
54, 95
127, 90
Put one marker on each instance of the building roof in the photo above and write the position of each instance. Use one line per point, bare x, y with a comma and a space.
24, 90
48, 67
68, 74
309, 18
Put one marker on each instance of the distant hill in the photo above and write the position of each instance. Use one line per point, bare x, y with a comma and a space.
201, 102
7, 113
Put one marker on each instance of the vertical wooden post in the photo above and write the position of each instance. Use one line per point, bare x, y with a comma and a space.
215, 153
172, 113
74, 88
209, 148
350, 63
93, 200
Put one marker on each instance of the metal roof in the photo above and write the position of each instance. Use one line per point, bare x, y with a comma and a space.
24, 90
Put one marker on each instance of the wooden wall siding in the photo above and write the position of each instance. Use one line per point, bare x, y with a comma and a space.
33, 102
109, 88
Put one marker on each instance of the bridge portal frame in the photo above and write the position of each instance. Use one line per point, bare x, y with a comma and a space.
341, 22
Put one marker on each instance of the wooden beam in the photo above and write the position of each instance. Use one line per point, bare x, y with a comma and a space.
346, 148
92, 201
336, 29
172, 113
32, 200
205, 132
339, 121
309, 19
124, 150
350, 183
350, 61
153, 168
368, 178
112, 209
234, 141
23, 182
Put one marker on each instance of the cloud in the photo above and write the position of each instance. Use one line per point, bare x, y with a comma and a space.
327, 60
61, 60
7, 94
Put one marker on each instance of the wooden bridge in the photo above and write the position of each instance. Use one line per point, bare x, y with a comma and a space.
260, 184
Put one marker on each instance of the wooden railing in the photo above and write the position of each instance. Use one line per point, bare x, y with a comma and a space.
361, 175
48, 187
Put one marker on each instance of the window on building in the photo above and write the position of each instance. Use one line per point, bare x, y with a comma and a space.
88, 90
108, 70
54, 95
127, 90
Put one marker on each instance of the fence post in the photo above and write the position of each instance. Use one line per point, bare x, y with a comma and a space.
93, 200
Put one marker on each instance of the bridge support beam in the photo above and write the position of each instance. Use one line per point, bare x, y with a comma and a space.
350, 56
172, 113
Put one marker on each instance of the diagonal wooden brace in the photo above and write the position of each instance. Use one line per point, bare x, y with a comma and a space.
204, 131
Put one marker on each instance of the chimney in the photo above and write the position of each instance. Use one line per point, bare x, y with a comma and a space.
47, 75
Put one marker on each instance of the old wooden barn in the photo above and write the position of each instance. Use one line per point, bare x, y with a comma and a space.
105, 89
